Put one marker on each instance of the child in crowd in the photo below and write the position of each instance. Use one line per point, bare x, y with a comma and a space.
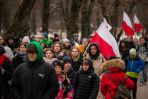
65, 91
86, 82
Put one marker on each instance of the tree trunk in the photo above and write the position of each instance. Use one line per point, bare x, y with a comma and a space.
20, 23
86, 17
71, 16
45, 18
33, 22
85, 23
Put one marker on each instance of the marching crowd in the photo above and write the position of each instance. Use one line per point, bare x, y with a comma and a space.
54, 68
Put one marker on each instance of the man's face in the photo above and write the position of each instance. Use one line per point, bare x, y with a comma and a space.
142, 41
93, 50
32, 57
67, 66
85, 67
1, 40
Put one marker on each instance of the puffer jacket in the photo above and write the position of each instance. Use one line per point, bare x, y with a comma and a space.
113, 69
35, 80
86, 84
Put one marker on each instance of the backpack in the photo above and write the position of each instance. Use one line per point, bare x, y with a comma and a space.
122, 91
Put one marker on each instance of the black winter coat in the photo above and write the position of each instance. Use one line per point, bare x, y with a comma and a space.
18, 59
76, 64
34, 81
5, 76
86, 85
71, 74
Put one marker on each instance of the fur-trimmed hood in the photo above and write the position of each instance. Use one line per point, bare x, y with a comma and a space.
112, 63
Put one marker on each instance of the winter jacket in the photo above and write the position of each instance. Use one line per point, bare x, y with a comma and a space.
134, 66
76, 64
68, 91
97, 59
71, 74
35, 80
86, 84
47, 42
143, 51
114, 70
18, 59
6, 71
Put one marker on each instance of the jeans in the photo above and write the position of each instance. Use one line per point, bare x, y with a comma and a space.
134, 91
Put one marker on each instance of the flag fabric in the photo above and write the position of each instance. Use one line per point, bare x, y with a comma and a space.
107, 25
137, 25
127, 25
106, 42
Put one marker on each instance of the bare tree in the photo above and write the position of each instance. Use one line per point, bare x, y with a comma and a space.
86, 17
70, 11
45, 18
20, 22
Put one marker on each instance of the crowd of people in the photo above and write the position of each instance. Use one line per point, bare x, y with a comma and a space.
56, 68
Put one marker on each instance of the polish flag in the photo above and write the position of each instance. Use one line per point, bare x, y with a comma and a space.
106, 42
127, 25
107, 25
137, 25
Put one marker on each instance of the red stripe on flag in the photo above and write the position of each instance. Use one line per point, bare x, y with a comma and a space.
128, 30
104, 47
138, 27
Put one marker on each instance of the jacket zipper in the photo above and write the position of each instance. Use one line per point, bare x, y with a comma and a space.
132, 65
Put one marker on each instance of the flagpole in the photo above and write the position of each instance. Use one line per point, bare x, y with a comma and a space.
86, 49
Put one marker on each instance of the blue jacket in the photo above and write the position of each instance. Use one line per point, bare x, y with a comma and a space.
134, 65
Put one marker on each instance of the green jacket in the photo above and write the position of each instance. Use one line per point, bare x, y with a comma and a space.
47, 42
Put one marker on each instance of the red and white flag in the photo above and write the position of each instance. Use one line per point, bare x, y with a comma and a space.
106, 42
107, 25
137, 25
127, 25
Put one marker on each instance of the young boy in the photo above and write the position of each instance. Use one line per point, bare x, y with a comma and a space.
65, 91
86, 84
68, 68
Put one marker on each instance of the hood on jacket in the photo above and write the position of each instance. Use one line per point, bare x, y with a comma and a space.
97, 54
39, 49
118, 63
90, 63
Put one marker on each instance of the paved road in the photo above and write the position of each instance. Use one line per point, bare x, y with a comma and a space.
142, 92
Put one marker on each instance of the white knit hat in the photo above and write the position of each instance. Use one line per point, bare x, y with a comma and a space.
26, 39
133, 52
65, 40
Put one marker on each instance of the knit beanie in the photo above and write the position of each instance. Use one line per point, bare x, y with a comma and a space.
26, 39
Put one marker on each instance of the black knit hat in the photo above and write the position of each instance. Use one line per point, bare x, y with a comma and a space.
67, 59
57, 63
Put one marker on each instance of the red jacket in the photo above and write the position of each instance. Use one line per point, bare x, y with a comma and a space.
108, 88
